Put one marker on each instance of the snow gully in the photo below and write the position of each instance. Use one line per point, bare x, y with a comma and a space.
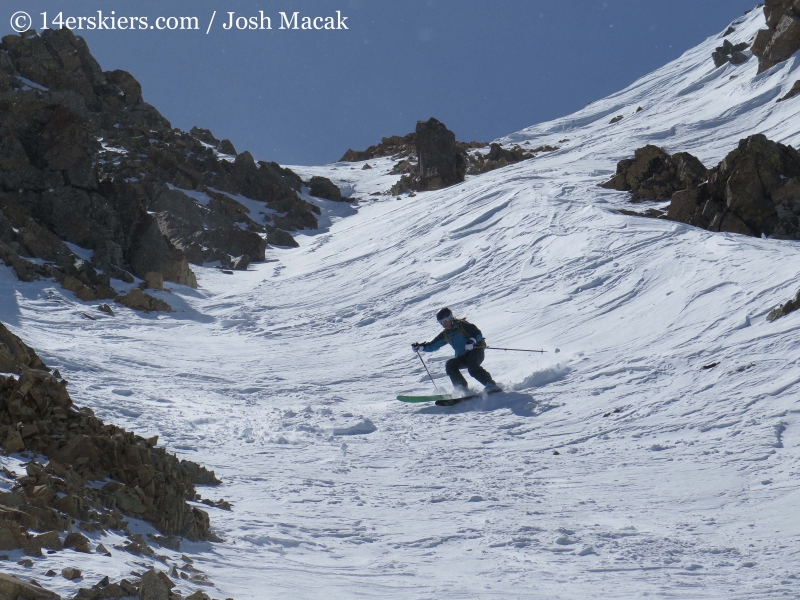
295, 21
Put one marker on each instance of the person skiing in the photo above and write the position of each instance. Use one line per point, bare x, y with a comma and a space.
468, 343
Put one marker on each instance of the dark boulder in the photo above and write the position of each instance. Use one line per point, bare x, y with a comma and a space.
152, 251
655, 175
441, 162
322, 187
240, 263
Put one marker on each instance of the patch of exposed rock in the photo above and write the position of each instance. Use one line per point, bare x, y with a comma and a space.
15, 588
755, 189
441, 162
730, 53
74, 448
499, 157
139, 300
653, 174
396, 145
781, 39
84, 159
322, 187
784, 309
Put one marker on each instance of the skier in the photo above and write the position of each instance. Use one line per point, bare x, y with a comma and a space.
468, 343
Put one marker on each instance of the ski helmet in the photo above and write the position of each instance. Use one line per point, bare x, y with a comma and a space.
444, 315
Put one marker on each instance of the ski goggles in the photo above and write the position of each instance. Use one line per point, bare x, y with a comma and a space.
446, 320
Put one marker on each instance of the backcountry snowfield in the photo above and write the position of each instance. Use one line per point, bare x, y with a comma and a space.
283, 378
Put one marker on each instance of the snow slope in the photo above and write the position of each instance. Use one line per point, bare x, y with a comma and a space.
282, 378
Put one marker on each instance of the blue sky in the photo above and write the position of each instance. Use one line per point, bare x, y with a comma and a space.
484, 68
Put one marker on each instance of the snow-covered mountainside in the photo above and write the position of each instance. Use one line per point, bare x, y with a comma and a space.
615, 465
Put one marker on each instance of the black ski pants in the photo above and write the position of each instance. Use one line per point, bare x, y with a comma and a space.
472, 362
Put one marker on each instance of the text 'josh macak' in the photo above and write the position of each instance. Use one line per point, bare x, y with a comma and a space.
293, 21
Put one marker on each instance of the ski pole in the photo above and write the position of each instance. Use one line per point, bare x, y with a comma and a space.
513, 349
428, 372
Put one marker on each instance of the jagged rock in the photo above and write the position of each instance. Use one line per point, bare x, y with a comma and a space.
78, 542
145, 482
71, 573
204, 135
781, 39
441, 162
785, 41
226, 147
389, 146
322, 187
15, 355
82, 291
738, 58
719, 59
97, 196
14, 588
50, 540
278, 237
783, 310
241, 263
616, 119
14, 442
198, 595
138, 300
106, 309
654, 174
10, 536
366, 167
32, 547
153, 281
151, 251
755, 190
792, 92
155, 585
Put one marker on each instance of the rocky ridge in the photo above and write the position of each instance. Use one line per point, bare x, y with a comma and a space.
754, 190
430, 158
85, 160
69, 450
781, 39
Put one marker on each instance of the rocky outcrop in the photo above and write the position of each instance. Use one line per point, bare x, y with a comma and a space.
441, 162
499, 157
781, 39
794, 91
396, 145
84, 159
784, 309
15, 355
322, 187
15, 588
74, 448
653, 174
139, 300
755, 189
730, 53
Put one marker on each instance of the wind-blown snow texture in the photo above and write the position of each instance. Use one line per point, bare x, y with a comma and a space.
282, 379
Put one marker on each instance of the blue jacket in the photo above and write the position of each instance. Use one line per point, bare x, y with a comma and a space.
457, 336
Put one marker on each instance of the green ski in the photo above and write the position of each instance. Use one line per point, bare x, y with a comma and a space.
444, 400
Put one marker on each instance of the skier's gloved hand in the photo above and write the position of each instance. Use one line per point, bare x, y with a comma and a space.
470, 344
416, 347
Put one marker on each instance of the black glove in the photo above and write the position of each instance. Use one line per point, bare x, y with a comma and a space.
416, 347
